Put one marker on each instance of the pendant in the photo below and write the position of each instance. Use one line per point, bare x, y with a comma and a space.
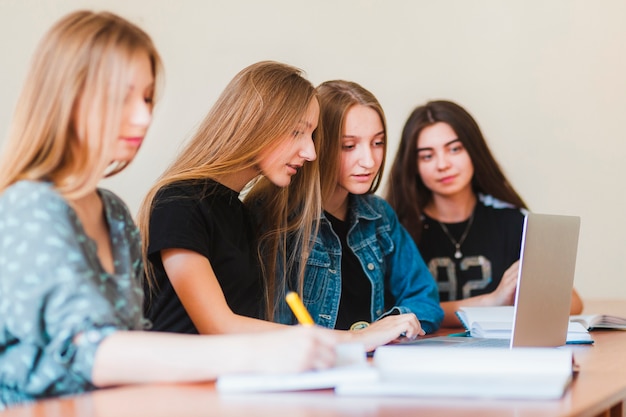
458, 254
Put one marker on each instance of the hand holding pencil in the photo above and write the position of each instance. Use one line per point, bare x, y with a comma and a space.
386, 330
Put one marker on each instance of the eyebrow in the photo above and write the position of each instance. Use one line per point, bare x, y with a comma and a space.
445, 144
382, 132
151, 86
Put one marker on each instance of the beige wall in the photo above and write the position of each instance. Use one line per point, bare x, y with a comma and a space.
546, 81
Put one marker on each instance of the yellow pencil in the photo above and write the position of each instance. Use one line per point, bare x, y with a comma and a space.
299, 310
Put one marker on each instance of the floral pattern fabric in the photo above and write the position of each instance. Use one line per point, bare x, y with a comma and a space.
57, 303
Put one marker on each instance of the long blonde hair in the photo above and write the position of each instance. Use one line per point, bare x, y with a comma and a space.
263, 103
69, 112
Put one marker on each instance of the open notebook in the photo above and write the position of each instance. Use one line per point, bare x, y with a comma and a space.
497, 323
599, 321
351, 367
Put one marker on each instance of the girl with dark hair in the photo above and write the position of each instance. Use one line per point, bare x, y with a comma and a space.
463, 213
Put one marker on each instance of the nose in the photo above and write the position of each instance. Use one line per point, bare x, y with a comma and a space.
307, 151
141, 113
442, 162
366, 157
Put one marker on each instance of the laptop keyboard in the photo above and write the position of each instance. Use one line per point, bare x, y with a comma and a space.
485, 343
460, 342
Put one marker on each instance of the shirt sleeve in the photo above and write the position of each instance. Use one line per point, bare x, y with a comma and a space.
177, 221
53, 314
410, 282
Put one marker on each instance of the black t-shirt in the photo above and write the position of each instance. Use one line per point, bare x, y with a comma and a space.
356, 289
208, 218
492, 244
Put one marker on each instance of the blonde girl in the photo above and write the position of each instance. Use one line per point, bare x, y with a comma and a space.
70, 258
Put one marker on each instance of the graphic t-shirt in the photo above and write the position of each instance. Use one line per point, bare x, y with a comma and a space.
492, 244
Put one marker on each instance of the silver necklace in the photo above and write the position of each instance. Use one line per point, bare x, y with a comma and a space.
457, 244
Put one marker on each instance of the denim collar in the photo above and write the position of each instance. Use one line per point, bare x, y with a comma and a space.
360, 207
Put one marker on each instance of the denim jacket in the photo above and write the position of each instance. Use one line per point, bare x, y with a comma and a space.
389, 259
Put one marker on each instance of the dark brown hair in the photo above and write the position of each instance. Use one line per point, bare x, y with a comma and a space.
406, 191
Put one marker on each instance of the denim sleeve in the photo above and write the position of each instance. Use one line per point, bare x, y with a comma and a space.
409, 280
53, 314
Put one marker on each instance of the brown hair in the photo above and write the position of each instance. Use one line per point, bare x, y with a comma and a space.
336, 98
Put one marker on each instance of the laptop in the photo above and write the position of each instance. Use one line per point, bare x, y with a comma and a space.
544, 287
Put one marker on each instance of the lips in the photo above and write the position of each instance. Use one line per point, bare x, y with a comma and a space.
363, 178
447, 180
134, 140
293, 168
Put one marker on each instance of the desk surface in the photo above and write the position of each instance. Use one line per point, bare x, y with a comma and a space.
599, 386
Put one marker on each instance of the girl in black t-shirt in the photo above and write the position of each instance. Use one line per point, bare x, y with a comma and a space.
203, 273
462, 212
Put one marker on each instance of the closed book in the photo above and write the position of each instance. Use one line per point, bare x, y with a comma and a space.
522, 373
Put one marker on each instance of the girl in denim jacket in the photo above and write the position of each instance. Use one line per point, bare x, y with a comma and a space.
363, 266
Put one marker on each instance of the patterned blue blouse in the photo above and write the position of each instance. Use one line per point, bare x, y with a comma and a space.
57, 303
